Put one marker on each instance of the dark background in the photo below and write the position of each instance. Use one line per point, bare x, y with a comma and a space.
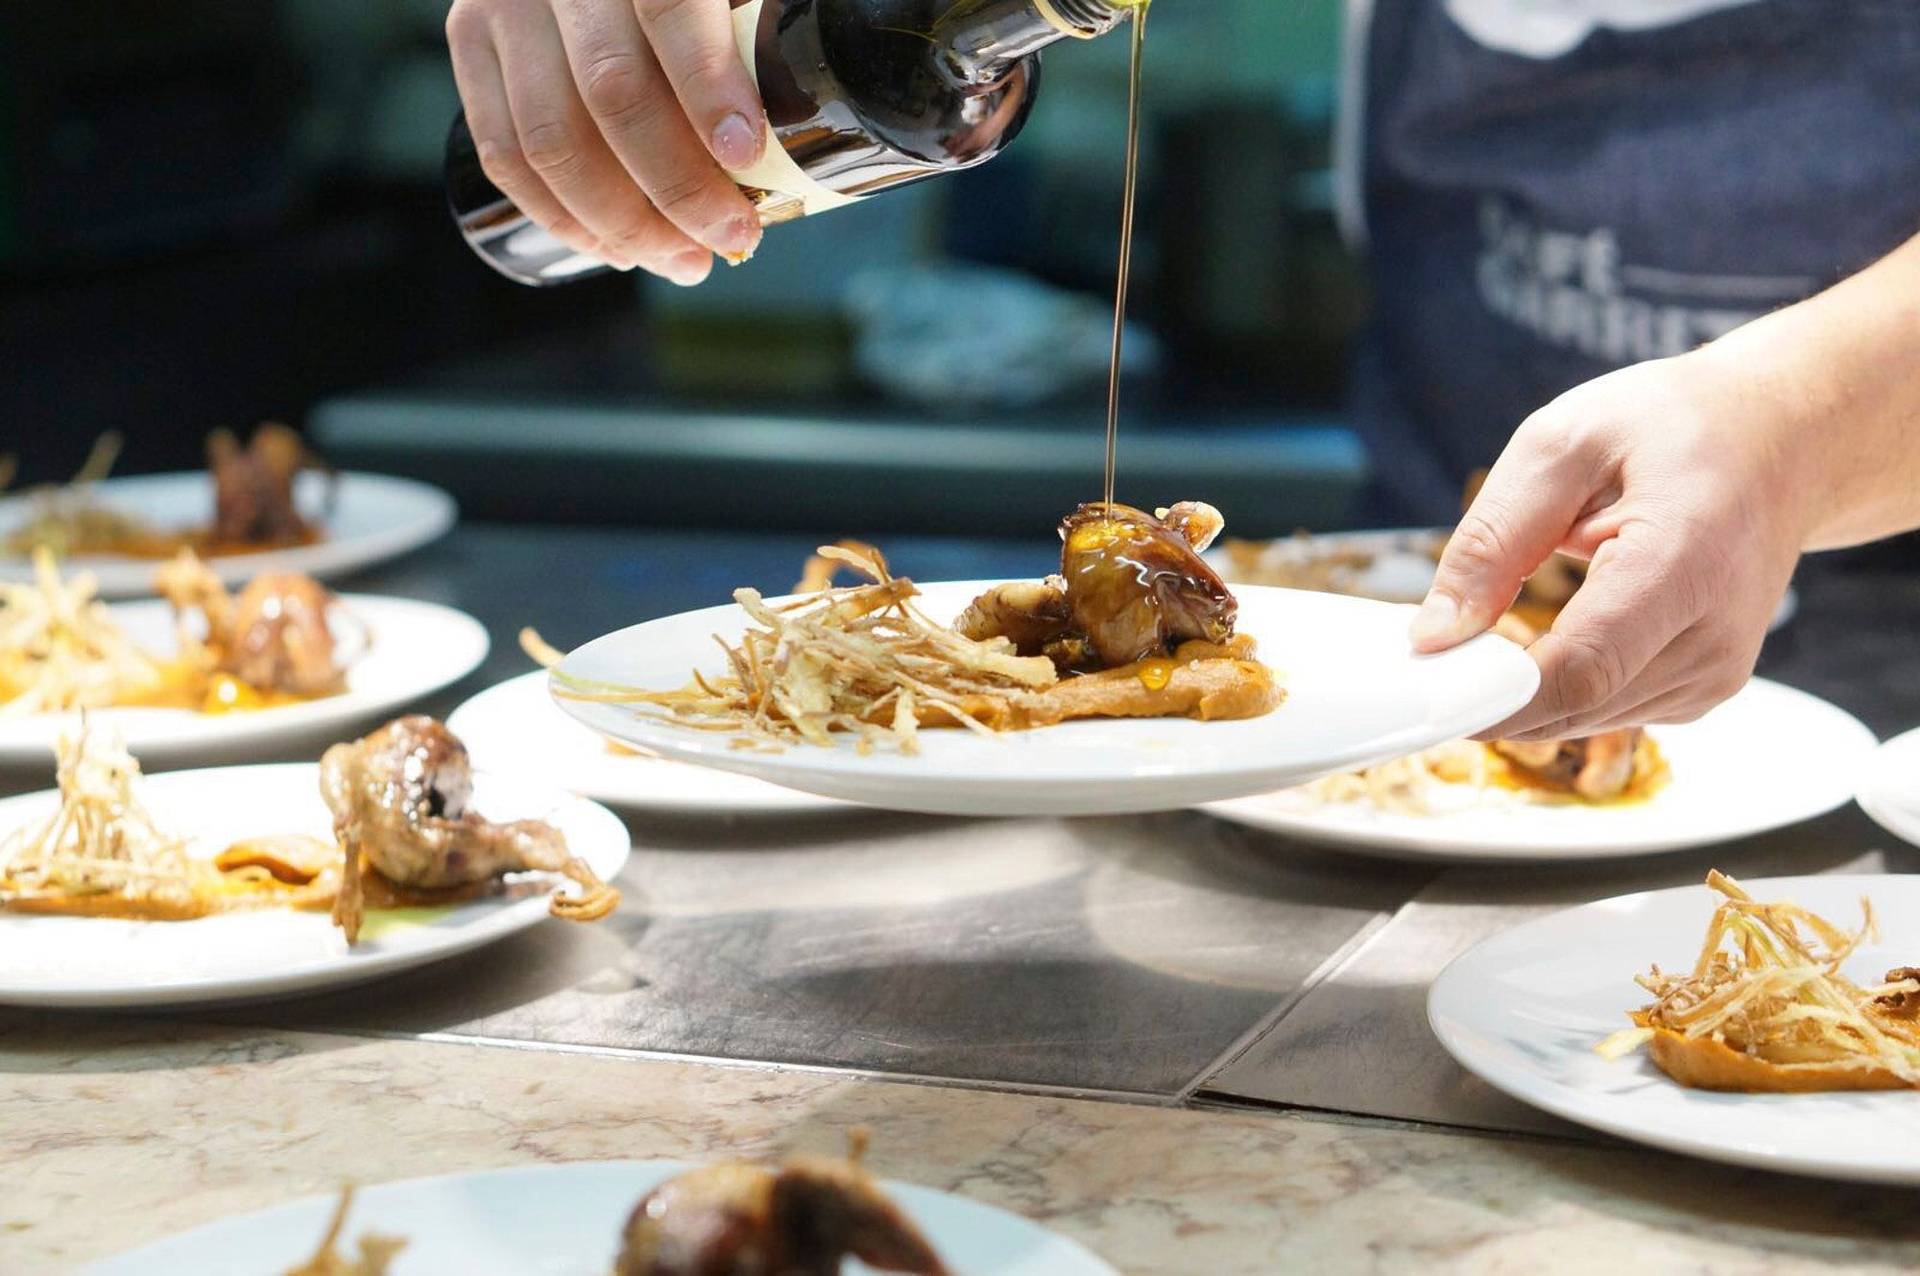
215, 213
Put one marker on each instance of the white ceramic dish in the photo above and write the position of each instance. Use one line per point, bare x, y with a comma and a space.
95, 962
372, 518
1355, 694
1890, 793
1524, 1009
559, 1220
1769, 757
406, 650
516, 728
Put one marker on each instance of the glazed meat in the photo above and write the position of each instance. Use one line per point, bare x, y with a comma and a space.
803, 1219
1029, 614
253, 486
276, 636
399, 802
279, 636
1595, 767
1135, 587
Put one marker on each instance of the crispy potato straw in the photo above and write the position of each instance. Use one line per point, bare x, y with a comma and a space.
60, 647
1767, 984
859, 659
376, 1252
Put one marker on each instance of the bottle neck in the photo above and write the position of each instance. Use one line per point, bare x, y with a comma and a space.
983, 41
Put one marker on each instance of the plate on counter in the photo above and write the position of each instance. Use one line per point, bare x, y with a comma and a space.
561, 1219
1890, 793
369, 519
1769, 757
516, 728
403, 650
1524, 1010
268, 952
1393, 565
1356, 694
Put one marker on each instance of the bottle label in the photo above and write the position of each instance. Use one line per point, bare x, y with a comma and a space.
789, 191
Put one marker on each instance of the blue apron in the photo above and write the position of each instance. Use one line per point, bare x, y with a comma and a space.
1536, 215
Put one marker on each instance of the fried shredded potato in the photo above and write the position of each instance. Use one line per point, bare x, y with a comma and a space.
60, 647
1765, 1006
860, 659
100, 854
376, 1252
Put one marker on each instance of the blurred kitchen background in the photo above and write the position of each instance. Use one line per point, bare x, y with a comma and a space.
213, 213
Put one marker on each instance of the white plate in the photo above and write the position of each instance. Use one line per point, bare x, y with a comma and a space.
1403, 562
516, 727
1355, 694
1732, 776
373, 518
1890, 793
1523, 1011
415, 649
558, 1220
90, 961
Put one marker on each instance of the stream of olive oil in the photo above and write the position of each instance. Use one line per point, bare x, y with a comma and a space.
1125, 274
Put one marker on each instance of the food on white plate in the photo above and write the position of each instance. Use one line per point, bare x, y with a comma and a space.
1135, 625
101, 854
61, 647
1766, 1009
251, 504
803, 1218
406, 837
400, 803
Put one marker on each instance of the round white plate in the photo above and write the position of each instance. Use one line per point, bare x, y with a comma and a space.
373, 518
562, 1220
1355, 694
91, 961
1731, 778
1403, 562
414, 649
1524, 1009
516, 727
1890, 792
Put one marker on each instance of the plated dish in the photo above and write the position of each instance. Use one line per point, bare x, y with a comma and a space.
208, 672
1723, 777
259, 507
1178, 705
1528, 1009
579, 1218
118, 888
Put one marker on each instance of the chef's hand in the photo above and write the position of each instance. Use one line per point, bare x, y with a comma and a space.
1693, 512
609, 122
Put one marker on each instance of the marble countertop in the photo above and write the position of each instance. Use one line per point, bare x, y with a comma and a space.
116, 1133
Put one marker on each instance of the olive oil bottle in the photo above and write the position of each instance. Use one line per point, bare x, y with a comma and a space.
862, 96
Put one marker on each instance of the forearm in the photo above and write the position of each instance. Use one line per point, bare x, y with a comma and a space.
1834, 386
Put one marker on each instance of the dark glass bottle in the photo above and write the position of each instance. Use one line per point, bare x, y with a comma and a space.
861, 95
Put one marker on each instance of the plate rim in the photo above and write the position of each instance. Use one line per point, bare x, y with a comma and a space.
1398, 845
1873, 793
1553, 1102
321, 1203
325, 973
